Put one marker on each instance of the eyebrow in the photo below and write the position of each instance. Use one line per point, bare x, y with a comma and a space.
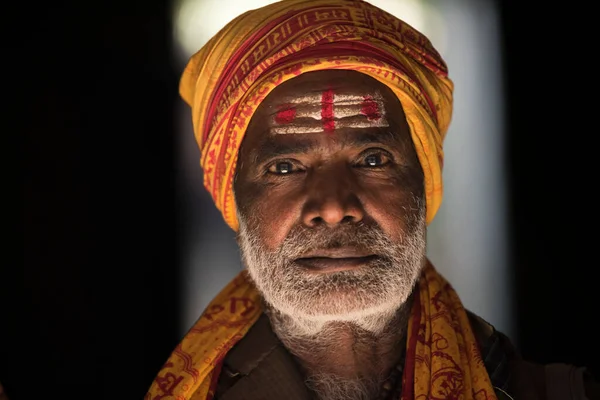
273, 148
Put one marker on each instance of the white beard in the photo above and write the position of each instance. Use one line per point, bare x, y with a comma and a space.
368, 296
333, 387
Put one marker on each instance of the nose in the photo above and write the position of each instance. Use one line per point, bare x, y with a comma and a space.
332, 198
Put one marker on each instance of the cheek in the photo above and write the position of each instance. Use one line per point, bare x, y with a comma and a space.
273, 210
393, 203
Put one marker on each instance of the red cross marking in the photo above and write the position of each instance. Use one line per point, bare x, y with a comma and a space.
286, 114
370, 109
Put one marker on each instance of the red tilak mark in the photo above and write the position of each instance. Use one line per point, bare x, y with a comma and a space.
285, 115
370, 109
327, 111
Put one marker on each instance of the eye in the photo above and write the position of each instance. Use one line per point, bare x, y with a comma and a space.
374, 158
282, 167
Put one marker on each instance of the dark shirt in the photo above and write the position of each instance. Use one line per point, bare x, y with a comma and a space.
259, 367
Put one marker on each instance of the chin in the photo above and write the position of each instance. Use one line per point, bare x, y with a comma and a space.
341, 304
310, 315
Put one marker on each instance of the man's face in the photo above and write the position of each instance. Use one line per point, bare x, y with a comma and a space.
330, 198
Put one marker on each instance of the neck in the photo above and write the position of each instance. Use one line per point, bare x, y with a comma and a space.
351, 352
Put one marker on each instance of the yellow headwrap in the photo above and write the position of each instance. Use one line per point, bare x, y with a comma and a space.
227, 79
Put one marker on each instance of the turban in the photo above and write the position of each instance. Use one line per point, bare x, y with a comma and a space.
226, 80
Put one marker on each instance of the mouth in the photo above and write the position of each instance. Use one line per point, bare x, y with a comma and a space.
335, 260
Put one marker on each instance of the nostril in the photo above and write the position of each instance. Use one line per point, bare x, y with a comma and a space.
317, 220
348, 218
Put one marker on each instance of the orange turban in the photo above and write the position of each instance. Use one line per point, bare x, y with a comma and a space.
226, 80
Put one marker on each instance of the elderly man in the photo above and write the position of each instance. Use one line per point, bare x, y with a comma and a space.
321, 125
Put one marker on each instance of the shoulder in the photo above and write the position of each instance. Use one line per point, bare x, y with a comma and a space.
516, 378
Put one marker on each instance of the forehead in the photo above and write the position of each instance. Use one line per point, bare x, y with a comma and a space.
335, 103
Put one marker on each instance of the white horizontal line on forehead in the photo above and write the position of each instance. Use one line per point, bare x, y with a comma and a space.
340, 98
351, 122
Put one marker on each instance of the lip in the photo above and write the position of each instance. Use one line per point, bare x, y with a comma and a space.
339, 252
334, 260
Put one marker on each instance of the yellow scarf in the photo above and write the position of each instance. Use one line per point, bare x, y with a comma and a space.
442, 357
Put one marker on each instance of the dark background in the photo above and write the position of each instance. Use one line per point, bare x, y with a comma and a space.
95, 311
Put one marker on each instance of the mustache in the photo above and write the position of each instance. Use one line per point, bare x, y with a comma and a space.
367, 237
